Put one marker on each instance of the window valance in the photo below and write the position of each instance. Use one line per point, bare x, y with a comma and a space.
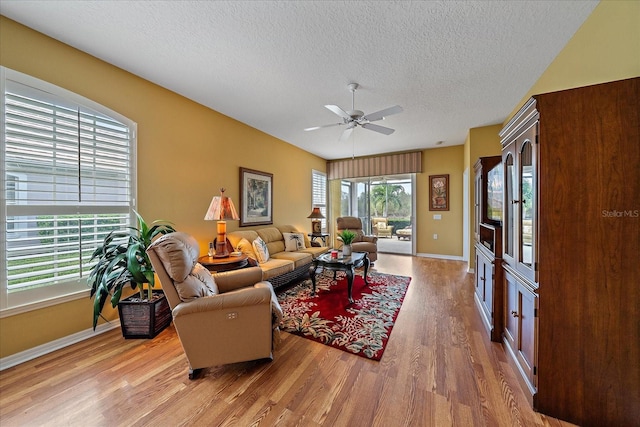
389, 164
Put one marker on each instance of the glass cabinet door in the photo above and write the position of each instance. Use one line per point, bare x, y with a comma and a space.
509, 208
526, 204
477, 205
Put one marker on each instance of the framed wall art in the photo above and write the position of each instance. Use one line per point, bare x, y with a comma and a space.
439, 192
256, 198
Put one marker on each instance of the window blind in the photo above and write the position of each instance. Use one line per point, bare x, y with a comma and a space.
319, 194
68, 181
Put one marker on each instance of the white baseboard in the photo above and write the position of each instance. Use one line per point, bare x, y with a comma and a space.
41, 350
450, 257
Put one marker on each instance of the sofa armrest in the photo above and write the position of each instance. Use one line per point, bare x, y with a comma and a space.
370, 239
235, 279
239, 298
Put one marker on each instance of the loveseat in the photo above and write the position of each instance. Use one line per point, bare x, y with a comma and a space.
285, 254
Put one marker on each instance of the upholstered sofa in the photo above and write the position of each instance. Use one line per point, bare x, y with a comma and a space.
289, 252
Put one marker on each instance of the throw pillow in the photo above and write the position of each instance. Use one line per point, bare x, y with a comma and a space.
261, 250
246, 248
293, 241
199, 283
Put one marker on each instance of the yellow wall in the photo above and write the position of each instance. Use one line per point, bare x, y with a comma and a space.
481, 142
605, 48
439, 161
186, 152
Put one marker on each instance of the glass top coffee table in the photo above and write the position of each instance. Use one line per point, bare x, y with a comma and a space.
347, 264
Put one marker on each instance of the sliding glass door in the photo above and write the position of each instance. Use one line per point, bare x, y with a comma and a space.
385, 207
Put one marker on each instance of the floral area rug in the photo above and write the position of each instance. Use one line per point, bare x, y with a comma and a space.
361, 328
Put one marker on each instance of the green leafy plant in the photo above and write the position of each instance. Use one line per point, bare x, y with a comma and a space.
122, 259
347, 236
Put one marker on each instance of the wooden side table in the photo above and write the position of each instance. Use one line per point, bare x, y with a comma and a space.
321, 236
224, 264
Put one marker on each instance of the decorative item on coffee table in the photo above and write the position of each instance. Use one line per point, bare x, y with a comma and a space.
123, 260
347, 237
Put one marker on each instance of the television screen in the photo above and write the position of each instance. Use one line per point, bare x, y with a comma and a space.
494, 194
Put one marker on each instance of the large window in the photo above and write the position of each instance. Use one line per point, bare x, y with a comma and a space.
319, 194
67, 180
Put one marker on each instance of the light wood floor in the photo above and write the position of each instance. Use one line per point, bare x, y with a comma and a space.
439, 369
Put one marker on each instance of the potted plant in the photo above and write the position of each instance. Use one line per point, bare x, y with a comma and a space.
123, 260
347, 236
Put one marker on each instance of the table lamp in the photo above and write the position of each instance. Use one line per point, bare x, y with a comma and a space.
316, 224
221, 209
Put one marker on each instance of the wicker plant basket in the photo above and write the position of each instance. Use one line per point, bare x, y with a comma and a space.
144, 319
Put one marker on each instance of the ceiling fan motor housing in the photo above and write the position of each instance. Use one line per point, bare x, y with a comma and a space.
355, 114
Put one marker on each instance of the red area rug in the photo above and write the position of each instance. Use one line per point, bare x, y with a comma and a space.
361, 328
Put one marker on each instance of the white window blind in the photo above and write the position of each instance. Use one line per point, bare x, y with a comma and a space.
68, 180
319, 194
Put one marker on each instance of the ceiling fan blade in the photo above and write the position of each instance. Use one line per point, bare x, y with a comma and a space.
377, 128
378, 115
339, 111
346, 134
323, 126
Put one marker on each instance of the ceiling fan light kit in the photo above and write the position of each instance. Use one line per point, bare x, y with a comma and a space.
354, 118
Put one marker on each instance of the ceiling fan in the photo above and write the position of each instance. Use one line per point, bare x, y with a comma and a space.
354, 117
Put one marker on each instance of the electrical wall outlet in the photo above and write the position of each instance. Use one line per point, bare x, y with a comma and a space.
435, 237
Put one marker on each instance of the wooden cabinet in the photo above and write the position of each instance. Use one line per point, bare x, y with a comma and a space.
520, 329
488, 291
488, 235
571, 236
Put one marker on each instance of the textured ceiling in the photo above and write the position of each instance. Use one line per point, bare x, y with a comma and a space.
452, 65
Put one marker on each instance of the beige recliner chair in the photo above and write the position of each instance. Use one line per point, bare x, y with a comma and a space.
362, 242
229, 318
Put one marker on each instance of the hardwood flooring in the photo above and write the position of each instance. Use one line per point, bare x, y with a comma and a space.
439, 369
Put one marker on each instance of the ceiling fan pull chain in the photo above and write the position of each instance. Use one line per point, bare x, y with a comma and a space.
353, 152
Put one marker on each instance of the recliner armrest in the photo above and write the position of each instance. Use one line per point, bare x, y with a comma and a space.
276, 310
238, 298
235, 279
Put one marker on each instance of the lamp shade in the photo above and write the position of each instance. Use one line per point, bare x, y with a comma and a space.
315, 213
316, 224
221, 208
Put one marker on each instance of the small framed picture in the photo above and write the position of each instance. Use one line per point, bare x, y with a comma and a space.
256, 199
439, 192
